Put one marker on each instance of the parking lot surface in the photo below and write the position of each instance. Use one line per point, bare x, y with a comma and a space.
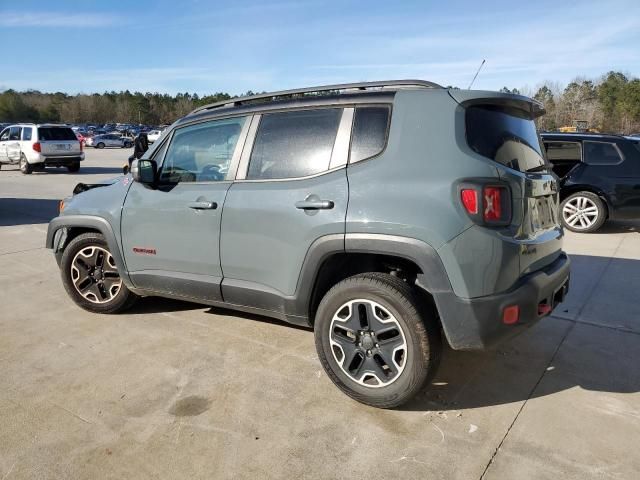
177, 390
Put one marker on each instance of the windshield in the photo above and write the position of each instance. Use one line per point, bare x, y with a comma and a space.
505, 135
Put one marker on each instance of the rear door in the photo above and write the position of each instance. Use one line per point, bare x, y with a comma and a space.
291, 190
58, 141
170, 234
13, 144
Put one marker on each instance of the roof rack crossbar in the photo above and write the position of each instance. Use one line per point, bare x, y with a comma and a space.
314, 90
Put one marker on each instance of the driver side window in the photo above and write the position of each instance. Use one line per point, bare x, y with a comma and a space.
202, 152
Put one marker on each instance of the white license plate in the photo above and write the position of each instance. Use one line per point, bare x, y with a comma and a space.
63, 147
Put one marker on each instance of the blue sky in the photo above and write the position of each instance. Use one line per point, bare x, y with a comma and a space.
209, 46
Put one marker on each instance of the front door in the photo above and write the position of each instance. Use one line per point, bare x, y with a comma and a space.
4, 138
170, 234
291, 191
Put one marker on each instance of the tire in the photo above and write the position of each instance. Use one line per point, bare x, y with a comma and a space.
128, 145
583, 212
74, 167
100, 290
100, 145
25, 167
393, 364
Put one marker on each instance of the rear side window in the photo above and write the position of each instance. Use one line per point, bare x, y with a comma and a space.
563, 151
56, 133
505, 135
601, 153
26, 133
294, 144
370, 127
14, 133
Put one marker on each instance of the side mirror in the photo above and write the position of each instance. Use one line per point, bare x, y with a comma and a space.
144, 171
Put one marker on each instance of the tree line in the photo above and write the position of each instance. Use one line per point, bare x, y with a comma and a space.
610, 103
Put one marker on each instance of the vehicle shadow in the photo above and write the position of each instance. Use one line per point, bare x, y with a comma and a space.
27, 211
147, 305
619, 226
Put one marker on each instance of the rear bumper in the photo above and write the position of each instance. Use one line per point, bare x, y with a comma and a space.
56, 160
476, 323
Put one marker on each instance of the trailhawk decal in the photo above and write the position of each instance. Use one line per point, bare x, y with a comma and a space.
144, 251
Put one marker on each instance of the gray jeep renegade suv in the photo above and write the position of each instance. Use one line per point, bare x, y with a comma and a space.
387, 215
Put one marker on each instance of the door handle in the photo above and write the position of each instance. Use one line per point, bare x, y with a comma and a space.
314, 204
203, 205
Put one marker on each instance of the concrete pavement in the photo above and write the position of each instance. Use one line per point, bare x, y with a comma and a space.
176, 390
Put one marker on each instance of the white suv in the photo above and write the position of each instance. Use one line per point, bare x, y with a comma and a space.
35, 147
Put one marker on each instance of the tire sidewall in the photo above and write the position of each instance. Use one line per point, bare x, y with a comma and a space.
416, 349
79, 243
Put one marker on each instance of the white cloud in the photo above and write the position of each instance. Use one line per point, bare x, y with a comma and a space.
58, 20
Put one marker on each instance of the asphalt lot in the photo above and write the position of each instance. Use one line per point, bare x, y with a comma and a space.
176, 390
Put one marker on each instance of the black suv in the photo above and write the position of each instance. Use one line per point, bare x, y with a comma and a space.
600, 177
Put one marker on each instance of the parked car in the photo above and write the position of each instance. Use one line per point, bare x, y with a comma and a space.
379, 216
599, 178
36, 146
109, 140
153, 135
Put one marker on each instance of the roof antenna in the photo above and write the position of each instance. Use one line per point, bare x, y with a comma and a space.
476, 75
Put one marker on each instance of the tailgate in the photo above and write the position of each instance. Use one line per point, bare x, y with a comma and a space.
58, 141
537, 213
55, 148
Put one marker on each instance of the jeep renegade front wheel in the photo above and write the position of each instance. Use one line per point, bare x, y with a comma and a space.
377, 341
90, 276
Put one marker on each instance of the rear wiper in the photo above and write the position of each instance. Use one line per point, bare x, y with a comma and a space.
539, 168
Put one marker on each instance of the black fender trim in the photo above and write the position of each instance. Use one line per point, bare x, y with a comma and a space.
95, 223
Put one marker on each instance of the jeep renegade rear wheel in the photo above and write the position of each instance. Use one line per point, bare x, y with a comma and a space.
377, 341
91, 278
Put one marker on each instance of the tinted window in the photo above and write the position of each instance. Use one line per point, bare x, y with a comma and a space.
202, 152
601, 153
507, 136
26, 133
14, 133
294, 144
369, 136
563, 151
56, 133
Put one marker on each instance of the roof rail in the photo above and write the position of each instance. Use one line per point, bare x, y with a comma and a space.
235, 102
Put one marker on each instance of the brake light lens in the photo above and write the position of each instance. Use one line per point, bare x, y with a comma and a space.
37, 147
492, 206
469, 199
486, 203
81, 142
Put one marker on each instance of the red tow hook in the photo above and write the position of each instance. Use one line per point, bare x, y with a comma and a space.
544, 309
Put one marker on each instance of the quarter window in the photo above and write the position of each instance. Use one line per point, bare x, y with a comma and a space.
370, 126
5, 135
294, 144
201, 152
601, 153
26, 133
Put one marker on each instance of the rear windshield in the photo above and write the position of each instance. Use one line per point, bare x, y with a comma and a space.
505, 135
56, 133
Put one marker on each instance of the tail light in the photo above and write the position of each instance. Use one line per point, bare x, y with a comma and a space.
81, 142
486, 203
37, 147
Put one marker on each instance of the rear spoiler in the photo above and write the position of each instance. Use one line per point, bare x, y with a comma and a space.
466, 98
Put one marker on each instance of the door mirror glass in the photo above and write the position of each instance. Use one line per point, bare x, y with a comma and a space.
144, 171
